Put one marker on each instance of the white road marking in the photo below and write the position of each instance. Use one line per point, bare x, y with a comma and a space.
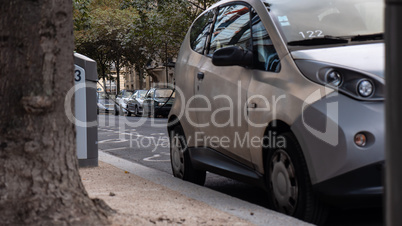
157, 134
152, 158
114, 149
112, 141
105, 130
124, 133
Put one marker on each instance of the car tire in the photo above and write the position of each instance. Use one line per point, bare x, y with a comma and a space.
136, 111
128, 113
288, 182
116, 112
180, 159
145, 111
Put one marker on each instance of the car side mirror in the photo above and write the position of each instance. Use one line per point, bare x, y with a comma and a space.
232, 56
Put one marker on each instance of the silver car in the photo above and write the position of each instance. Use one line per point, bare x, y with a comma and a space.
121, 101
135, 103
287, 95
104, 102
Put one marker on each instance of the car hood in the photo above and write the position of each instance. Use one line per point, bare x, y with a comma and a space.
368, 57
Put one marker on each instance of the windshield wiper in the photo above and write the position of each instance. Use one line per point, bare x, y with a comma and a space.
326, 40
360, 38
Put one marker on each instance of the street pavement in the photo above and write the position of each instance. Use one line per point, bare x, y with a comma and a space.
144, 141
253, 213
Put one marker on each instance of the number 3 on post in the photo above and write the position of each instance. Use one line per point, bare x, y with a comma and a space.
77, 75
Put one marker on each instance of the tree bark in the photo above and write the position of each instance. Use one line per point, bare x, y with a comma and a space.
140, 79
117, 66
39, 178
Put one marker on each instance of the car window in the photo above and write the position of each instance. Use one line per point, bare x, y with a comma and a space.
132, 97
231, 28
163, 93
265, 55
141, 93
200, 31
127, 94
150, 94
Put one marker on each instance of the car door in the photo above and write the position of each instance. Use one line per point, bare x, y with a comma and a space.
265, 94
148, 103
221, 91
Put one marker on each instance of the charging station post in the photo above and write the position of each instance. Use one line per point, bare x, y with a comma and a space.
86, 77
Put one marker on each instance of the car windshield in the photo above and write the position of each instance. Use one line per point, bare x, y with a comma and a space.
322, 22
142, 93
127, 94
163, 93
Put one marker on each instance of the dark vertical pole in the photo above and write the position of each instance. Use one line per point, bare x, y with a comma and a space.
393, 40
166, 65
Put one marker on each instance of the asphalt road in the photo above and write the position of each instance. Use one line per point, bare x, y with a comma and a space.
145, 141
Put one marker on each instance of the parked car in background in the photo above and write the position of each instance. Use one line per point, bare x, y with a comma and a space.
121, 101
287, 95
158, 101
104, 103
134, 104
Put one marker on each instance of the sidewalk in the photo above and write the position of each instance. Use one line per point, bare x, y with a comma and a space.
161, 199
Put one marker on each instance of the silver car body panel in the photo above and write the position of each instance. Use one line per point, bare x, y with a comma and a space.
326, 161
286, 92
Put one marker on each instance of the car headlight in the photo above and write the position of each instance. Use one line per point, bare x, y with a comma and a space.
356, 84
160, 103
365, 88
334, 78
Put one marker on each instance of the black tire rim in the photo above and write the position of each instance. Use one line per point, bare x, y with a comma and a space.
136, 110
283, 182
177, 156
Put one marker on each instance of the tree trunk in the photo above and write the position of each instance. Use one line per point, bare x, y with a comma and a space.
39, 179
117, 67
140, 79
103, 76
104, 84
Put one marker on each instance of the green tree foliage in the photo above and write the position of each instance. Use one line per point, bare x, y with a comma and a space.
164, 23
81, 15
103, 32
133, 32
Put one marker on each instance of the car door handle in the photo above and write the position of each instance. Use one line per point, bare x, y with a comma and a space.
200, 75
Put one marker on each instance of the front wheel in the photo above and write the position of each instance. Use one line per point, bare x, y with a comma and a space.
136, 113
116, 111
180, 158
288, 181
